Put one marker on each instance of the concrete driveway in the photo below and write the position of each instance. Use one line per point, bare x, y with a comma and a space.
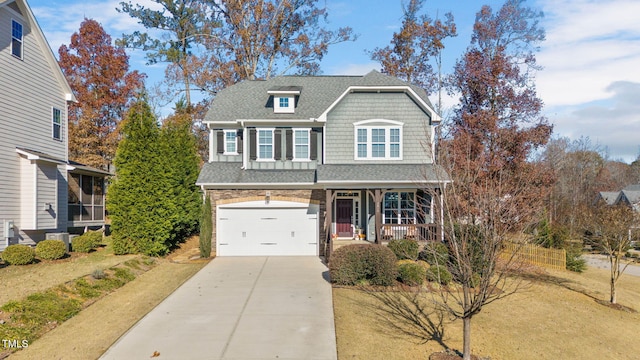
240, 308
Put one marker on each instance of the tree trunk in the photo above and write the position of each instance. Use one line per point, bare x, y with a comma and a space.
466, 351
613, 291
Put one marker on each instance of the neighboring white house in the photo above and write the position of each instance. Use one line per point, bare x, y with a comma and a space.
34, 196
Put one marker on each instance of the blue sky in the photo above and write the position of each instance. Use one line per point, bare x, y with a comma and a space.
590, 83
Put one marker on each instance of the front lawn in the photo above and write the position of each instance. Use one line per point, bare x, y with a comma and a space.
560, 316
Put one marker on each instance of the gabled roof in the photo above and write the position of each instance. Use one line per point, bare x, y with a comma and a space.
248, 100
609, 197
25, 9
630, 196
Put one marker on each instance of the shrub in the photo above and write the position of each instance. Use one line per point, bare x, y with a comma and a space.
575, 262
18, 254
434, 253
98, 274
438, 273
411, 274
95, 237
51, 249
206, 229
85, 242
404, 248
363, 263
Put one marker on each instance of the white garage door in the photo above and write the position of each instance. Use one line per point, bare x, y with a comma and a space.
274, 229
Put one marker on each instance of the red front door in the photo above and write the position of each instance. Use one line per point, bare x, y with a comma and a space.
344, 212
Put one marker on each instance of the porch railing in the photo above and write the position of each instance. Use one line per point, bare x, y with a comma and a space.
421, 232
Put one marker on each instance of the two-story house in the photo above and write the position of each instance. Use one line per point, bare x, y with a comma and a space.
298, 162
35, 174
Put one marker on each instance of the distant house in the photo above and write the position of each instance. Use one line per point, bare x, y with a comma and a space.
36, 174
629, 196
297, 163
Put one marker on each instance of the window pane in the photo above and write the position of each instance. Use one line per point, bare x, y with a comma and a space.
362, 135
16, 39
302, 144
74, 213
98, 212
394, 150
377, 135
265, 144
395, 135
74, 189
362, 150
87, 185
56, 118
230, 140
377, 150
284, 102
98, 186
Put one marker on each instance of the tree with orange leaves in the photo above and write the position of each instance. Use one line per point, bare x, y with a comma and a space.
100, 78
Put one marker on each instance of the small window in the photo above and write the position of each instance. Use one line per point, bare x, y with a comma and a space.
16, 39
283, 104
301, 144
265, 144
56, 118
230, 143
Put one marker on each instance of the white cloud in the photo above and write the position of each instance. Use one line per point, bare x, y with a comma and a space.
614, 124
590, 44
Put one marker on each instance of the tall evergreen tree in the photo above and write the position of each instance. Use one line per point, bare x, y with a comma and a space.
139, 199
182, 164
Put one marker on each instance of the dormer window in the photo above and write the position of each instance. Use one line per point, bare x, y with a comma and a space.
284, 98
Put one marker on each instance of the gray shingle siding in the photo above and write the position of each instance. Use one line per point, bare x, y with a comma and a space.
357, 107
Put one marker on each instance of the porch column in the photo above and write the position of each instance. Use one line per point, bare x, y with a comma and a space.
377, 200
327, 220
441, 227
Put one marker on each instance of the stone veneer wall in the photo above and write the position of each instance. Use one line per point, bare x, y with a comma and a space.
225, 196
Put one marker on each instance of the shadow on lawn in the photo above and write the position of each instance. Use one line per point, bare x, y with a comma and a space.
407, 312
561, 282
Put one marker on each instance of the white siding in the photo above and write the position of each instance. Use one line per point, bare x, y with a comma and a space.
30, 89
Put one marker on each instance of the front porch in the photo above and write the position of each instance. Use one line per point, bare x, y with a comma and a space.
380, 215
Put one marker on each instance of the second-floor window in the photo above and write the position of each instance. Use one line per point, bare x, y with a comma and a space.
265, 144
230, 142
378, 143
56, 119
16, 39
301, 144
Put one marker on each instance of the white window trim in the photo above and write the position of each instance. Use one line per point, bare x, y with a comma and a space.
21, 40
225, 152
388, 126
272, 158
308, 144
399, 217
53, 124
289, 109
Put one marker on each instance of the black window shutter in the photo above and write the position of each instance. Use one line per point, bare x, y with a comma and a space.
253, 144
239, 141
277, 144
313, 145
220, 140
289, 143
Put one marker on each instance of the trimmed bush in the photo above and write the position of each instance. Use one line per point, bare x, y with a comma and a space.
18, 254
404, 248
82, 244
95, 237
51, 249
438, 273
363, 263
411, 274
434, 253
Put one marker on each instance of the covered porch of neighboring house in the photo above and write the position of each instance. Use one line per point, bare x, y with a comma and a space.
379, 215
